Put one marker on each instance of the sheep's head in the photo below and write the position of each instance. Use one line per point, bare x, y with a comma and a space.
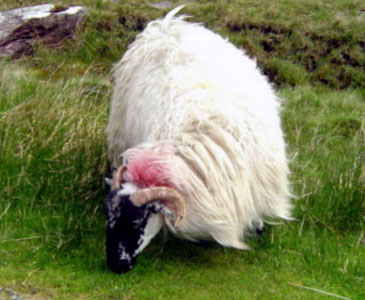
134, 216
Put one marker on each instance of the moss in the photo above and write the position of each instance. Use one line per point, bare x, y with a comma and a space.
58, 7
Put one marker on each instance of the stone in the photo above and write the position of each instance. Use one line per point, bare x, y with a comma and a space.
162, 5
9, 294
20, 28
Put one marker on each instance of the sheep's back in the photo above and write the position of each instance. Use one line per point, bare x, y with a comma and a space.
175, 76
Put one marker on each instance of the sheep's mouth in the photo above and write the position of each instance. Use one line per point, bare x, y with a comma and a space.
120, 266
118, 259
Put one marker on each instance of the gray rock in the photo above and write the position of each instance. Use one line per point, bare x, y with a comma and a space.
162, 5
9, 294
20, 28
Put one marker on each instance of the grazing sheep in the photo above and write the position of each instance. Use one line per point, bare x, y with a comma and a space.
195, 131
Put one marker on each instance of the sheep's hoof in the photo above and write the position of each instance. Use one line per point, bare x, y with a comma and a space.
260, 230
203, 243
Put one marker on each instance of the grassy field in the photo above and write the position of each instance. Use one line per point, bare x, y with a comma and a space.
53, 111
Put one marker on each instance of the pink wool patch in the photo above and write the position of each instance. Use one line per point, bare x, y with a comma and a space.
148, 170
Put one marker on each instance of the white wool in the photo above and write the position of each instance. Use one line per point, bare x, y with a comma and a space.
181, 84
127, 189
154, 224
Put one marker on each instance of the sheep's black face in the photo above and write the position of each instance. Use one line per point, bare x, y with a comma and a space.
129, 229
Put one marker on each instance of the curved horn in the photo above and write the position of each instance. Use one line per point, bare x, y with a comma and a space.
172, 198
118, 177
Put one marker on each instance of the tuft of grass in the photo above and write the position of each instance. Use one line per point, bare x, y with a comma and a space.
52, 143
326, 129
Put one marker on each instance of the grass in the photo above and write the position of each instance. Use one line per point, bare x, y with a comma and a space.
53, 111
294, 42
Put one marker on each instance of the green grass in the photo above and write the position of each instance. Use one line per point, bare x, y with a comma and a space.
53, 111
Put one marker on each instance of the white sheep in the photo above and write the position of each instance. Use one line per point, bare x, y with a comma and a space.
195, 123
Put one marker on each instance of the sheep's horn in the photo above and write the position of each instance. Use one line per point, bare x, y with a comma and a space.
118, 177
172, 199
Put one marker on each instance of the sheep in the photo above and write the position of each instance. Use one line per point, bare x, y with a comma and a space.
195, 136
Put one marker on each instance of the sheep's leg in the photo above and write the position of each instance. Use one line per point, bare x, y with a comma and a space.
203, 243
259, 228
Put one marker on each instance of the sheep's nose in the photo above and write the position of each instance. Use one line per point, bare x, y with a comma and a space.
118, 259
121, 266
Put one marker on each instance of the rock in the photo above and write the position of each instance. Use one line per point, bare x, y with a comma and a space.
9, 294
20, 28
162, 5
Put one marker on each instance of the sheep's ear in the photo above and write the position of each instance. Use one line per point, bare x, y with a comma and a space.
108, 181
167, 201
159, 207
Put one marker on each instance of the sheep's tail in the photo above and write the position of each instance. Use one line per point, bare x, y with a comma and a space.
170, 19
172, 13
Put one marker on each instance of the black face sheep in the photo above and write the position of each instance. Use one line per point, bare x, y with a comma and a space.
195, 135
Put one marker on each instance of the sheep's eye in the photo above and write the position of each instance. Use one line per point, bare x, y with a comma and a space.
138, 223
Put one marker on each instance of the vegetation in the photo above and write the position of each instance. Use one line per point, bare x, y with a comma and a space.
53, 111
